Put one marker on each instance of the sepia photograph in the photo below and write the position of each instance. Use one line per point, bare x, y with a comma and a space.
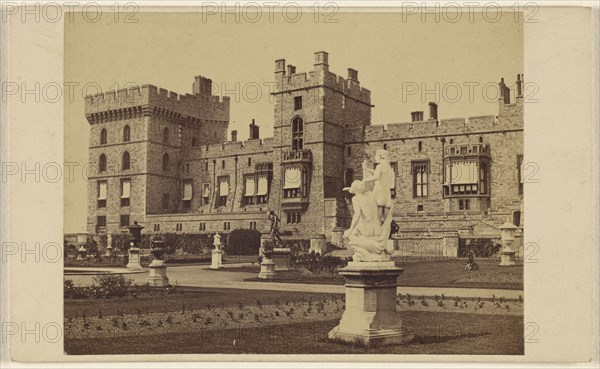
290, 187
332, 184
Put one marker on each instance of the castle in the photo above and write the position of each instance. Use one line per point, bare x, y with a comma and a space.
164, 160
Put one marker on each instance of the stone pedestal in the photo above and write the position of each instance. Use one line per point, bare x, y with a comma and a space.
371, 315
134, 259
282, 258
158, 274
507, 257
318, 244
337, 236
267, 269
217, 259
81, 253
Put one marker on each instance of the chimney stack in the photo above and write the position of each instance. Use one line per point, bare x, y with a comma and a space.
433, 111
504, 91
254, 131
234, 136
202, 86
352, 74
416, 116
519, 86
280, 67
291, 70
321, 61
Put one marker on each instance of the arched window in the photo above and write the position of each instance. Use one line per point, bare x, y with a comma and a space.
165, 162
103, 137
348, 177
193, 141
126, 134
480, 139
126, 161
166, 135
249, 161
102, 163
420, 146
385, 146
297, 134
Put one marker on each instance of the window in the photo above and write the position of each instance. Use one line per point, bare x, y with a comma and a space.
156, 227
124, 220
165, 162
420, 172
348, 177
125, 191
126, 163
165, 201
206, 166
202, 226
178, 227
205, 193
297, 134
194, 143
517, 218
223, 191
101, 221
126, 134
461, 205
394, 166
520, 174
222, 164
385, 146
102, 192
102, 163
292, 182
226, 226
483, 179
103, 135
480, 139
166, 135
294, 218
419, 207
249, 161
420, 146
349, 151
249, 190
187, 194
451, 141
297, 102
252, 225
262, 189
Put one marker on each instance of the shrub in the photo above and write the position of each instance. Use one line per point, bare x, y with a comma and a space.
318, 264
243, 242
70, 291
110, 285
482, 247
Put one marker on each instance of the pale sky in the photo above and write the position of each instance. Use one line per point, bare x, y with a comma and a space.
169, 49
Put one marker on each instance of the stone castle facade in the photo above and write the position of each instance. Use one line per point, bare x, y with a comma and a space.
165, 160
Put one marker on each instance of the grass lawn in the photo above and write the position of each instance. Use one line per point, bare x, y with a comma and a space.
433, 273
435, 333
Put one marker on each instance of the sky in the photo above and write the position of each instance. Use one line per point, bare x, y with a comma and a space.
394, 56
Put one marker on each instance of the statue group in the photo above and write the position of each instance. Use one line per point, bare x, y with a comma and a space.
372, 220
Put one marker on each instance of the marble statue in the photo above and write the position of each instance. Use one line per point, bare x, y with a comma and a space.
217, 241
372, 219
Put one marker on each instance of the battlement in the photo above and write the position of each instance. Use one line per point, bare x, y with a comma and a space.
450, 126
150, 97
247, 147
320, 76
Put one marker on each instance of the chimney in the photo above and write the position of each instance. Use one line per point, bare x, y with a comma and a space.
504, 92
254, 131
519, 86
416, 116
280, 67
433, 111
352, 74
202, 86
321, 61
291, 69
234, 136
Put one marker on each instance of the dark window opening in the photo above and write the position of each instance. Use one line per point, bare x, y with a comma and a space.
297, 102
297, 134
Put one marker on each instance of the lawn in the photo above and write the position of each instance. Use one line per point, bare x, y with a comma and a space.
435, 333
208, 320
432, 273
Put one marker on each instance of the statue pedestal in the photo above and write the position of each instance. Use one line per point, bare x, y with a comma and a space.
216, 260
370, 315
507, 257
282, 257
134, 259
267, 269
158, 274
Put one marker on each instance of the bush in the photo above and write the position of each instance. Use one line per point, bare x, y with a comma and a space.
318, 264
482, 247
243, 242
110, 285
70, 291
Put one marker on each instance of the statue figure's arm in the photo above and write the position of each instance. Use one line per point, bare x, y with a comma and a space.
373, 176
355, 217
